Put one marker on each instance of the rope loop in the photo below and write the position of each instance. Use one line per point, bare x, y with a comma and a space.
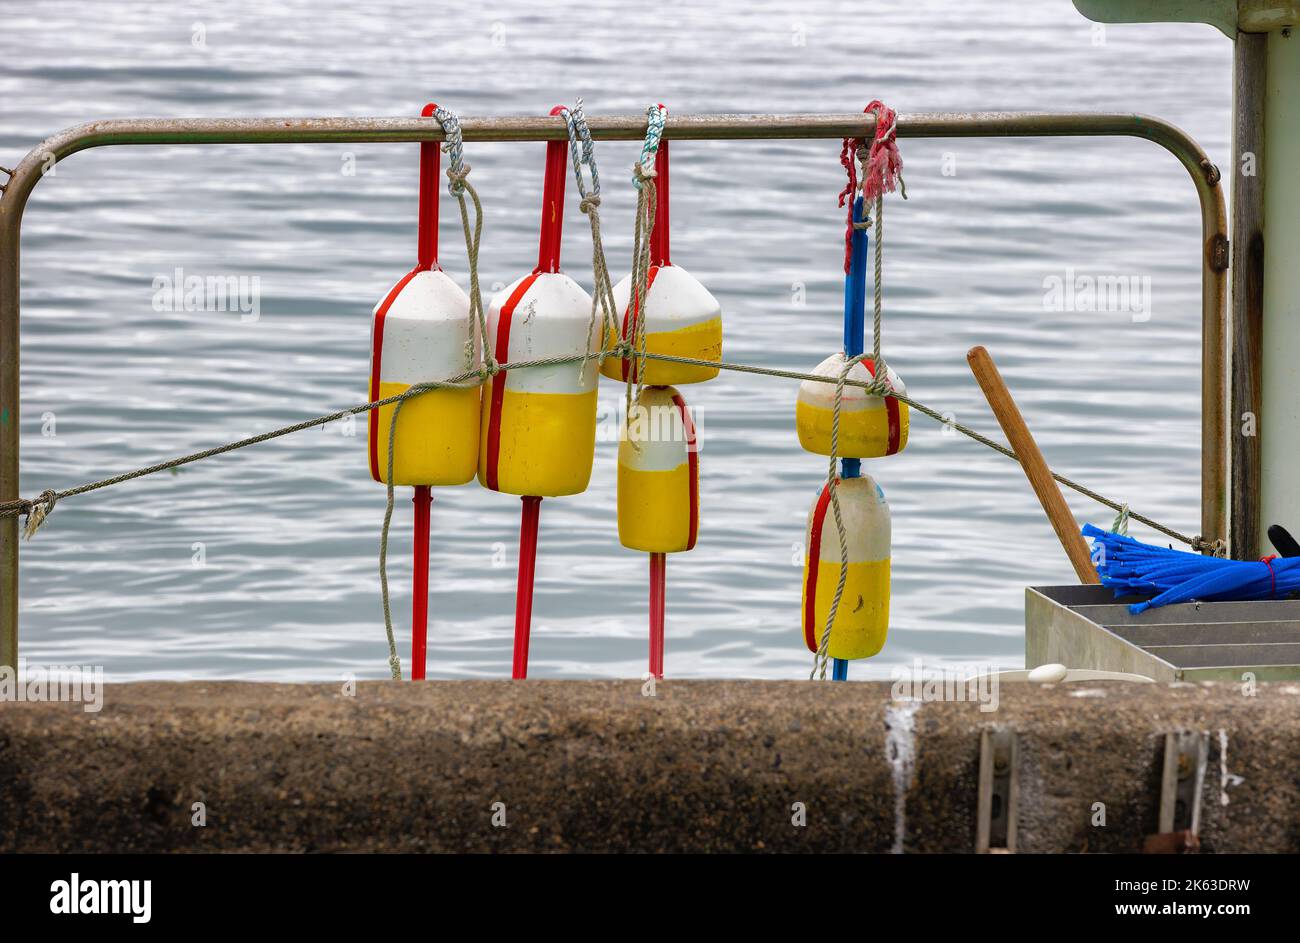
643, 176
1120, 526
458, 185
454, 147
656, 118
582, 150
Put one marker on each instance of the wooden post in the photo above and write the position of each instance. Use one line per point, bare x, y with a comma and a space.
1032, 461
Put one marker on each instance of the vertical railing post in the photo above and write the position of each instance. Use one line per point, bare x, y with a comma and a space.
11, 208
1249, 63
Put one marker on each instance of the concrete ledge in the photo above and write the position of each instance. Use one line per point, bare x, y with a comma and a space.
596, 766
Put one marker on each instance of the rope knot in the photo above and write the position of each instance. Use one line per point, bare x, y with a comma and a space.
589, 204
1120, 525
39, 510
1217, 548
457, 178
641, 173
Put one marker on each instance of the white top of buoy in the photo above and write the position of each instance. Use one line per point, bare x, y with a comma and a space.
551, 319
855, 398
425, 330
865, 513
674, 301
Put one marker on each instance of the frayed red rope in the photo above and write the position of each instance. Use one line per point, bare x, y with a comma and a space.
884, 165
848, 157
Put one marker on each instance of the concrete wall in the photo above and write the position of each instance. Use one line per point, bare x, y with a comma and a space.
597, 766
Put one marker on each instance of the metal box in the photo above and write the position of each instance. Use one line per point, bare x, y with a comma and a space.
1086, 627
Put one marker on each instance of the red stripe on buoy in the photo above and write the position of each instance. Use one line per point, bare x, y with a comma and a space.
502, 354
376, 359
693, 471
810, 577
891, 416
633, 312
895, 430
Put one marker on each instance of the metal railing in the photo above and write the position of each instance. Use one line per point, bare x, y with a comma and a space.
1214, 260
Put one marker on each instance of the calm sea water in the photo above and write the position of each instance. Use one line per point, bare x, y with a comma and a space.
262, 564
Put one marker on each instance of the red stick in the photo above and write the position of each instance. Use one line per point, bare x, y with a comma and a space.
659, 236
658, 585
420, 584
548, 260
524, 589
557, 157
427, 258
427, 239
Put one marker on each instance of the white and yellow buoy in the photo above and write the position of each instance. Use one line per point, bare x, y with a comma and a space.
658, 493
682, 318
423, 332
862, 616
538, 430
658, 474
539, 423
870, 426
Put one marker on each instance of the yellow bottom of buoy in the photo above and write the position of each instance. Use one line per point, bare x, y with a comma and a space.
654, 512
863, 433
701, 341
870, 426
436, 440
658, 474
862, 619
543, 443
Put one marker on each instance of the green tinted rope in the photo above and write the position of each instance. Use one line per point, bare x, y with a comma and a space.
603, 307
656, 117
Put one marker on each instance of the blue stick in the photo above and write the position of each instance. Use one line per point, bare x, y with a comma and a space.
855, 329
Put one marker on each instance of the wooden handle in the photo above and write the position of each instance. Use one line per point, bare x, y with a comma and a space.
1032, 461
